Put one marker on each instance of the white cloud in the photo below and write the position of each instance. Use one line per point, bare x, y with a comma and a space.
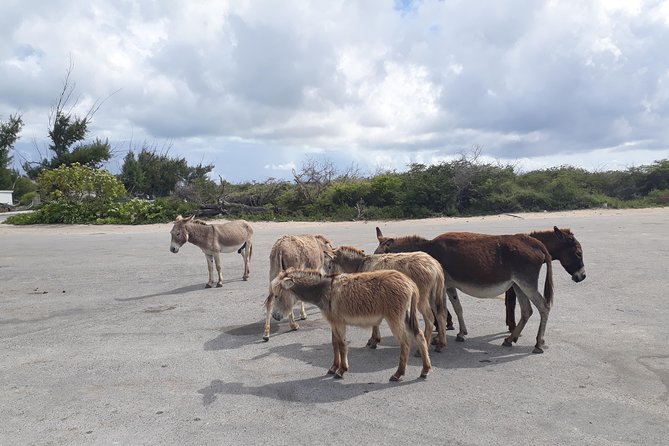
357, 81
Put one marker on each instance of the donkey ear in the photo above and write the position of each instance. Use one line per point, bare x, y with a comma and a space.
329, 253
287, 283
561, 235
187, 219
379, 234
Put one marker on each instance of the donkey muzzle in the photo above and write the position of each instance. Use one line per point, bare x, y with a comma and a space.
579, 275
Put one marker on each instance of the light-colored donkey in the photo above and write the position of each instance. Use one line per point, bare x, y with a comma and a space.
298, 251
420, 267
361, 299
214, 239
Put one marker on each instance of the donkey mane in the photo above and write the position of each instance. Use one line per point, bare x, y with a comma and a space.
302, 273
199, 222
323, 239
351, 250
411, 239
548, 232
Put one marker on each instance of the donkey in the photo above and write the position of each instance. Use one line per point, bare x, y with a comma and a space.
420, 267
486, 266
362, 299
214, 239
562, 246
299, 251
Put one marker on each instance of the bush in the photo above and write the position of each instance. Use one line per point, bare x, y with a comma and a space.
27, 198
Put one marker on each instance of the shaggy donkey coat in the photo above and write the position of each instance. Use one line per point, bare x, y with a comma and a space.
362, 299
420, 267
297, 251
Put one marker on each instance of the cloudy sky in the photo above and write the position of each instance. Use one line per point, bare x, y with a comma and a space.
256, 87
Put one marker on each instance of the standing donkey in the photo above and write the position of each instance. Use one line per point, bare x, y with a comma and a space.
362, 299
561, 245
420, 267
298, 251
486, 266
214, 239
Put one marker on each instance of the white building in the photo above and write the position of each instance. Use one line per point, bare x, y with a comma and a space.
6, 197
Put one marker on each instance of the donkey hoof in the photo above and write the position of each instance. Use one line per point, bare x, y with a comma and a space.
303, 318
450, 327
507, 343
372, 343
394, 378
331, 372
208, 285
219, 285
438, 348
537, 350
265, 338
433, 341
424, 375
245, 279
459, 338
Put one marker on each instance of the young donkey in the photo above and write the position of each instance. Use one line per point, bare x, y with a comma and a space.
486, 266
298, 251
362, 299
214, 239
420, 267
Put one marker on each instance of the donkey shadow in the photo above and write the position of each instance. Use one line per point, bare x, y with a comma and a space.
309, 390
176, 291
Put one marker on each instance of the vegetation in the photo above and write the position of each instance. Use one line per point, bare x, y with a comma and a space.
67, 133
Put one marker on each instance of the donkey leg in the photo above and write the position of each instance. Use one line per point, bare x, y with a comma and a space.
303, 313
441, 332
424, 353
247, 257
336, 359
538, 300
510, 304
217, 260
457, 307
525, 313
403, 336
210, 268
428, 320
291, 320
268, 306
375, 338
339, 332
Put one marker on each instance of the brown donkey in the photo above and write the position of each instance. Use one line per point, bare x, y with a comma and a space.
213, 239
486, 266
561, 245
362, 299
420, 267
297, 251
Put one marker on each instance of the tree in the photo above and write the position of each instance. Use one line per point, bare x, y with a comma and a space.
66, 130
152, 174
9, 134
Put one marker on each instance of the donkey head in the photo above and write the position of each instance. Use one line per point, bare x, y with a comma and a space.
570, 254
385, 243
179, 233
283, 297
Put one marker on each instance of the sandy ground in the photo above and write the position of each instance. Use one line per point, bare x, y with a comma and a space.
108, 338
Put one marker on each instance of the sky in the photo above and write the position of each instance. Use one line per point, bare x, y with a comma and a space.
256, 88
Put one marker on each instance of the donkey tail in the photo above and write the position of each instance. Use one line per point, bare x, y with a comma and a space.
412, 317
548, 286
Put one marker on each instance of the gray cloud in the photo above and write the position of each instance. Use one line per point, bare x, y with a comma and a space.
265, 83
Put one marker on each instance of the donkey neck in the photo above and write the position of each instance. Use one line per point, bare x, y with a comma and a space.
199, 234
550, 241
317, 293
353, 264
413, 244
